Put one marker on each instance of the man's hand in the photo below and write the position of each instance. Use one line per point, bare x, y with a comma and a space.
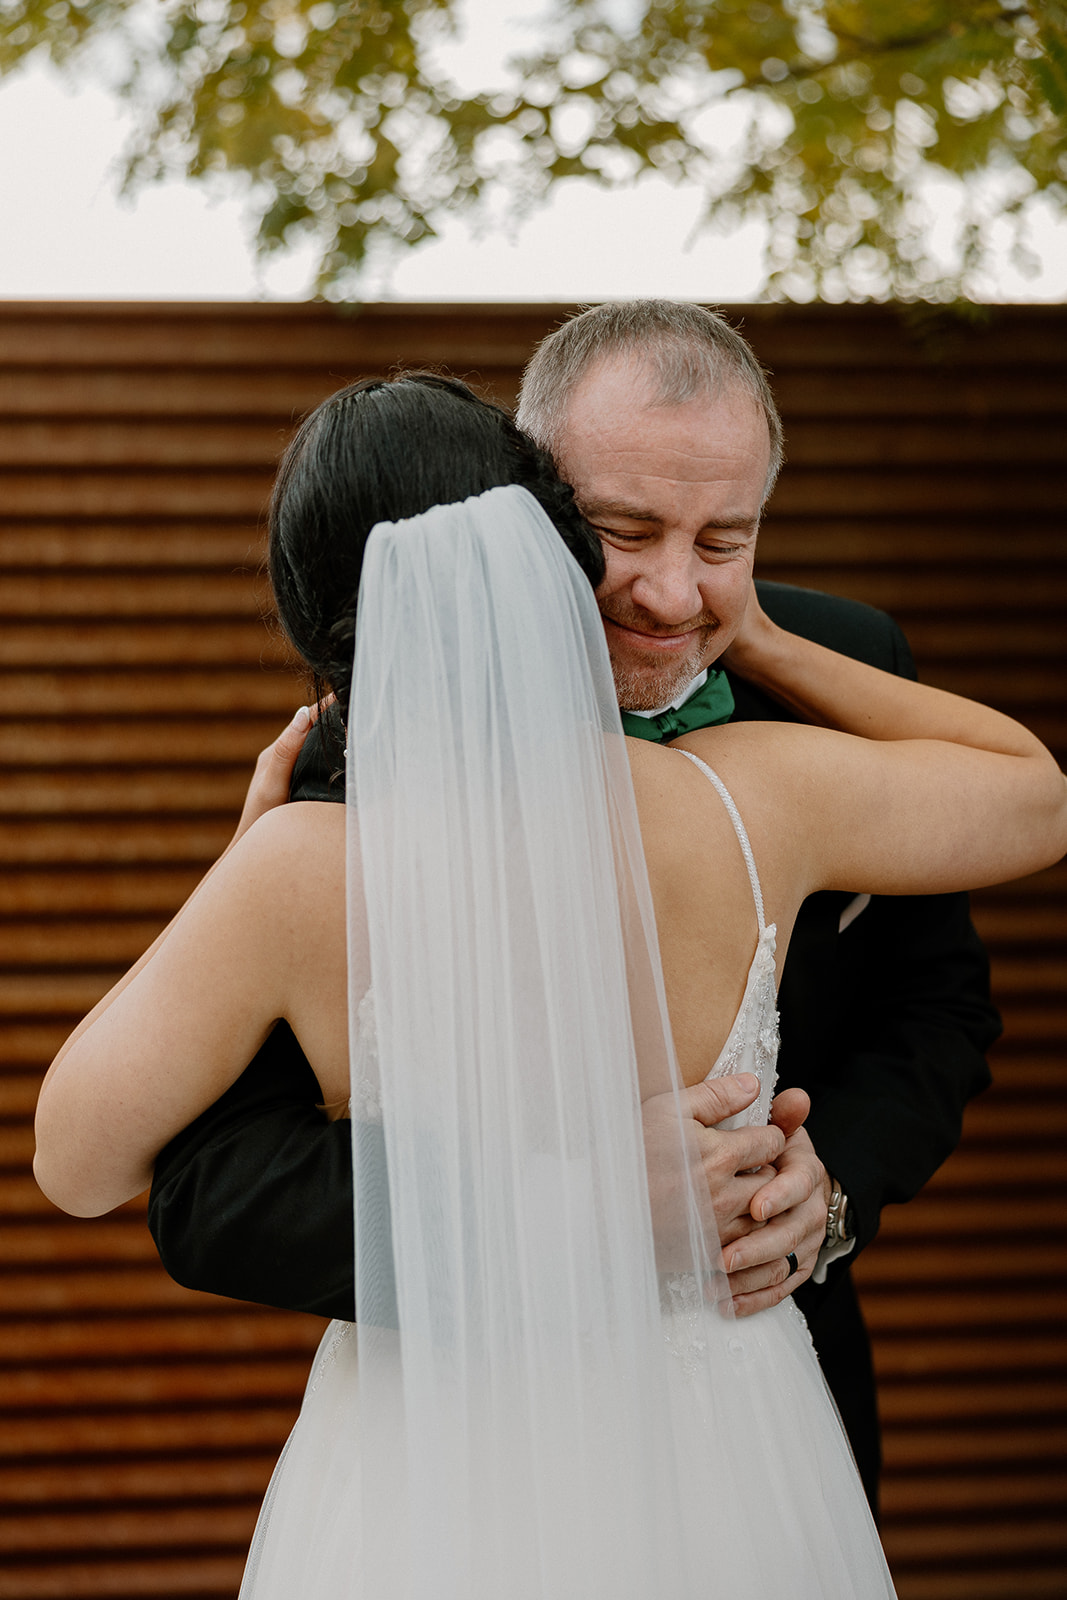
274, 770
735, 1165
789, 1213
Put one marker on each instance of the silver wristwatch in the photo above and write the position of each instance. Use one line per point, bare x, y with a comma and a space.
838, 1225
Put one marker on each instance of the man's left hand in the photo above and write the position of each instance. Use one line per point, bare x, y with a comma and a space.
792, 1208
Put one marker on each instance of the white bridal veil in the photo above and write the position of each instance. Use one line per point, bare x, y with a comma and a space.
514, 1420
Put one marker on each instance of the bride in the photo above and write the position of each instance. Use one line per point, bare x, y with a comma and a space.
545, 1394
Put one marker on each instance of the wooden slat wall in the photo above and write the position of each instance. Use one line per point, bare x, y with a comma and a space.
140, 1421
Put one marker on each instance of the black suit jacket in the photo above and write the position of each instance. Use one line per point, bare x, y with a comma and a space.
885, 1025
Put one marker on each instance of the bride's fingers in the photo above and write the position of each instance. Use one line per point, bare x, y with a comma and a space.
274, 768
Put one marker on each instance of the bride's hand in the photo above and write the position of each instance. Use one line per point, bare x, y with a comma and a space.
274, 769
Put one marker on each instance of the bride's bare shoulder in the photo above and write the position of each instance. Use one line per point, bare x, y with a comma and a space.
659, 769
302, 822
680, 810
675, 801
299, 842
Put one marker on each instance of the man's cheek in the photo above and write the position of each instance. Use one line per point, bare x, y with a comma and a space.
614, 572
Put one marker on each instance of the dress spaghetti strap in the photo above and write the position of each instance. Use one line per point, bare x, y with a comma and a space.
739, 828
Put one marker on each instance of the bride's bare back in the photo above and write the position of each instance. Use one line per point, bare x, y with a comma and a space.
705, 915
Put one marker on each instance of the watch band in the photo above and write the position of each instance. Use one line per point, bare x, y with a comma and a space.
838, 1230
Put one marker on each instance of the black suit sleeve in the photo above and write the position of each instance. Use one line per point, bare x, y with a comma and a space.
914, 1020
887, 1023
254, 1199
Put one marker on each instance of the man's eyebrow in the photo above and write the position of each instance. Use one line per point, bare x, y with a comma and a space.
617, 508
591, 509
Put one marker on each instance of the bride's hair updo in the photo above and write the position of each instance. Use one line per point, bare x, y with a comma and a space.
379, 450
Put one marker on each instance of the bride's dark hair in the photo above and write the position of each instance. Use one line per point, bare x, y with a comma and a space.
379, 450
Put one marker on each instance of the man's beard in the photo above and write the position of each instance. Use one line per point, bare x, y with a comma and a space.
651, 687
636, 691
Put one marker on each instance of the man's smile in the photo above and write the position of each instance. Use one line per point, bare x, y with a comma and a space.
632, 635
662, 643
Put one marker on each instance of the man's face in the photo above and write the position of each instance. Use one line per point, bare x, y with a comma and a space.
675, 494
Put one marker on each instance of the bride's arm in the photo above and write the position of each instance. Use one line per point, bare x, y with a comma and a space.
936, 793
236, 958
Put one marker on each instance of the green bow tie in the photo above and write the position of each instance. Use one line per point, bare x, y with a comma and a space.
713, 703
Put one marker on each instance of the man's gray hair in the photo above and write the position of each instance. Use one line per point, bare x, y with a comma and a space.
689, 350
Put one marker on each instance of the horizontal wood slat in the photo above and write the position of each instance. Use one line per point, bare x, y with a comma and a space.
97, 595
216, 1381
177, 493
139, 1420
118, 546
130, 644
236, 1329
123, 1530
207, 1577
892, 1313
147, 1433
103, 694
987, 1584
67, 891
122, 743
163, 789
949, 544
223, 1477
137, 840
127, 442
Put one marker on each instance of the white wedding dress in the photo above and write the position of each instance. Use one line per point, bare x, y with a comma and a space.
792, 1522
545, 1396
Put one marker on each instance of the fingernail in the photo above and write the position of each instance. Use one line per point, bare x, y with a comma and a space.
302, 719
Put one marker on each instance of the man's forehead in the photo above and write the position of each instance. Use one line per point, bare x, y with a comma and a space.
630, 372
619, 422
628, 389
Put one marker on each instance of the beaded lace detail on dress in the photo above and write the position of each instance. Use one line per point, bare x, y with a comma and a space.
752, 1045
366, 1102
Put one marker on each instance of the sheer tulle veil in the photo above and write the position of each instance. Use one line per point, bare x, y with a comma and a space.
515, 1431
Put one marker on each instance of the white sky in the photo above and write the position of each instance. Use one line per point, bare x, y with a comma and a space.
65, 233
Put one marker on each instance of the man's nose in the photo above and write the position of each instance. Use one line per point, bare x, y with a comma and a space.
667, 586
